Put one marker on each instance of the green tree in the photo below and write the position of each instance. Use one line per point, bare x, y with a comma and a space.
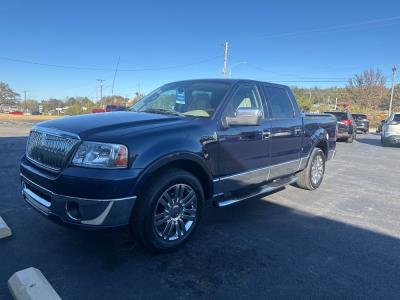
114, 100
7, 95
368, 88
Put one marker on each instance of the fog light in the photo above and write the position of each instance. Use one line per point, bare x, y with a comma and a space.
73, 211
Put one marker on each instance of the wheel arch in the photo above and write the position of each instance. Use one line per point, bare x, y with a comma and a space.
319, 140
189, 162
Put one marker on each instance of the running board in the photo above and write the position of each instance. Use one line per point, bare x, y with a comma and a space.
267, 188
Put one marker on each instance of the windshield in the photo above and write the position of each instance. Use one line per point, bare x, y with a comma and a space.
187, 98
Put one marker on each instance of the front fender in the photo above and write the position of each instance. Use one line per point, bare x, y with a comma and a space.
182, 159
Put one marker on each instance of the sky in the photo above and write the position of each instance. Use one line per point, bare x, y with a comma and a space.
58, 49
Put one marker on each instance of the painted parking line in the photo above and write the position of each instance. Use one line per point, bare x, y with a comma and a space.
30, 284
5, 231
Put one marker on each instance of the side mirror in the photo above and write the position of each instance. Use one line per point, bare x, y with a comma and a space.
245, 117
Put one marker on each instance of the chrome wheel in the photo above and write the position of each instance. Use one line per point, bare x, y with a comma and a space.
175, 212
317, 169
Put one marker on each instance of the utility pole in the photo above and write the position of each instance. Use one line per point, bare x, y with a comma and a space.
391, 94
101, 90
225, 67
25, 108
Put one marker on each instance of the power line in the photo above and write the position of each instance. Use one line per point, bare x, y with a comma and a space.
115, 75
301, 78
109, 69
351, 26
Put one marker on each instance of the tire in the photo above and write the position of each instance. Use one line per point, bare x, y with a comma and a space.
351, 138
305, 177
158, 203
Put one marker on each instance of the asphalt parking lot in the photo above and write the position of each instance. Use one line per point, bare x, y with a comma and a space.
340, 241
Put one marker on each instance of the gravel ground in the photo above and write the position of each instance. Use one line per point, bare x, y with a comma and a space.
340, 241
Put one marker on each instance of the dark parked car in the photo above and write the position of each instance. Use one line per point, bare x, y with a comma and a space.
362, 122
347, 128
187, 143
111, 108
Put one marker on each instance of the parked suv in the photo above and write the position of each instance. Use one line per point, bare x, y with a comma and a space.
347, 128
362, 122
153, 168
390, 134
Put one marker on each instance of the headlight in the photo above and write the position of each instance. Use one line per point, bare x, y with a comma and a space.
101, 155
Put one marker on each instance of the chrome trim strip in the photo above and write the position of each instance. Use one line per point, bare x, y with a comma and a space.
260, 169
56, 132
43, 166
76, 198
239, 180
35, 184
100, 219
28, 193
240, 174
282, 133
285, 168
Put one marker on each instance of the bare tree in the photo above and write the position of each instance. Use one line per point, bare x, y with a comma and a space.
367, 89
7, 95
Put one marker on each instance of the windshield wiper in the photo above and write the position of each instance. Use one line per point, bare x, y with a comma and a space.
163, 111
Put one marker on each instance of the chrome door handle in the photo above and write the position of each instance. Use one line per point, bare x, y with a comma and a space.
297, 130
266, 134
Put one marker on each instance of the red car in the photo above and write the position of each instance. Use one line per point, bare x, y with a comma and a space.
98, 110
17, 113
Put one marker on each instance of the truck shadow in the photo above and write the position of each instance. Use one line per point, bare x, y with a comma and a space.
373, 141
255, 249
289, 251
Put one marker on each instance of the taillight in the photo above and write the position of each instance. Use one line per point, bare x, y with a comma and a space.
347, 122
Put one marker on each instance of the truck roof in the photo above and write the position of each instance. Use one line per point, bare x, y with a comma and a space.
231, 81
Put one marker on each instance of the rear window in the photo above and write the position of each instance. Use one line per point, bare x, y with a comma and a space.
359, 117
340, 116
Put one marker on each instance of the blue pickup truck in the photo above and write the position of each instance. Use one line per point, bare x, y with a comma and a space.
154, 167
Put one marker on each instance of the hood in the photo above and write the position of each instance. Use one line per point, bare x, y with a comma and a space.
90, 124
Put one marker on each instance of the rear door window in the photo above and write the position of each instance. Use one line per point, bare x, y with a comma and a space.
396, 118
280, 104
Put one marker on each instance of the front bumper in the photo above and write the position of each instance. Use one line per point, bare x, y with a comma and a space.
342, 135
87, 204
363, 127
392, 139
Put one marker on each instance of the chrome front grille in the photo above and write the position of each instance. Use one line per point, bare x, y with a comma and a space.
50, 150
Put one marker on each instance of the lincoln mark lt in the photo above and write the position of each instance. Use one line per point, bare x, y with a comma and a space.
154, 167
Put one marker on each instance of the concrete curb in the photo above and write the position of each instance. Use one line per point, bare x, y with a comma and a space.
30, 284
5, 231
